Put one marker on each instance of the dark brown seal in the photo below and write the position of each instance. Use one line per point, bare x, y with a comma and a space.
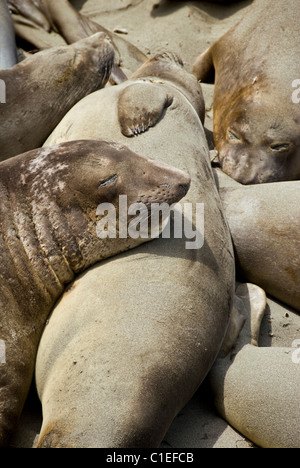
62, 17
256, 122
48, 216
43, 88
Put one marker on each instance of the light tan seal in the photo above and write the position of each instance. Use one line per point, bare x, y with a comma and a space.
43, 88
264, 221
144, 329
48, 234
255, 388
256, 122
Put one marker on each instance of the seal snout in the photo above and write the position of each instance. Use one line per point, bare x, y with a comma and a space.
185, 187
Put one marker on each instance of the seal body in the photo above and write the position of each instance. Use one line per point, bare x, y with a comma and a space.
41, 89
144, 329
8, 51
256, 395
60, 16
254, 387
264, 223
256, 122
49, 201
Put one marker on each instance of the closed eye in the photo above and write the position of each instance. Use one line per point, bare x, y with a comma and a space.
109, 181
233, 136
281, 147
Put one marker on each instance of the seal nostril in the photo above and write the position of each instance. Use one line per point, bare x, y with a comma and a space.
184, 187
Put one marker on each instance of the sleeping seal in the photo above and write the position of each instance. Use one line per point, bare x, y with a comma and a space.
8, 51
41, 89
256, 122
140, 332
48, 216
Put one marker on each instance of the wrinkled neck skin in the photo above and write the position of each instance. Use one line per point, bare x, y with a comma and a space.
39, 249
27, 239
38, 255
173, 74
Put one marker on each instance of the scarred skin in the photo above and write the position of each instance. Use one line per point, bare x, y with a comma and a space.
256, 122
48, 218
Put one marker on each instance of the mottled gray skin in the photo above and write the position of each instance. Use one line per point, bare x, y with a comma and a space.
145, 328
8, 51
49, 199
43, 88
256, 122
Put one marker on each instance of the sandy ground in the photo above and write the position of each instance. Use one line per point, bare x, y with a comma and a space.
187, 28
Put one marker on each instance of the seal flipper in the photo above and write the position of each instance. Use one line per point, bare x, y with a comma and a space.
203, 68
138, 110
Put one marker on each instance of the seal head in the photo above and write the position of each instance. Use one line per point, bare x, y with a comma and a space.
256, 142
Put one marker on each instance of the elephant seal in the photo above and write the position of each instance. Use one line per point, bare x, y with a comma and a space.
264, 221
255, 387
62, 17
140, 332
41, 89
8, 51
256, 122
49, 208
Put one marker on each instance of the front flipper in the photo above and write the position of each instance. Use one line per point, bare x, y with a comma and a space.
31, 11
141, 106
203, 68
